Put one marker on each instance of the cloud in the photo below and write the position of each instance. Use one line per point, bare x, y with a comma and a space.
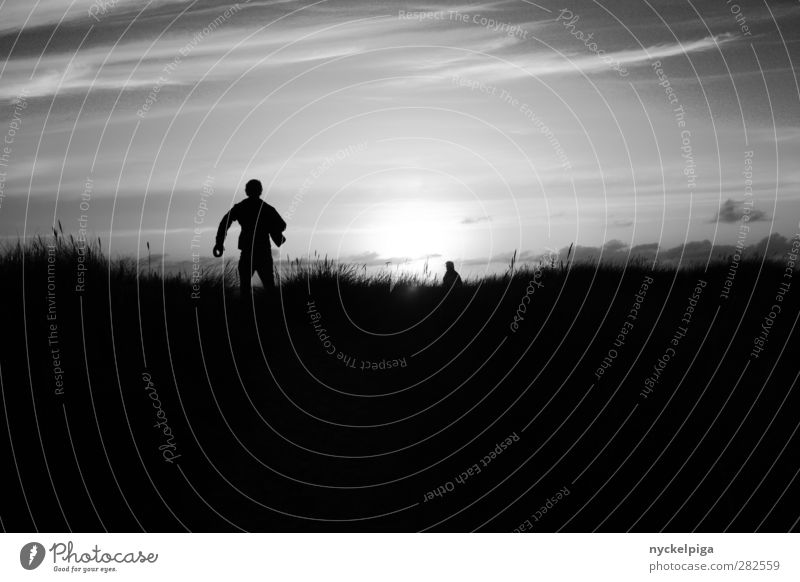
732, 211
73, 78
181, 57
296, 44
502, 258
475, 219
374, 259
663, 51
645, 248
550, 63
691, 253
461, 8
367, 258
614, 245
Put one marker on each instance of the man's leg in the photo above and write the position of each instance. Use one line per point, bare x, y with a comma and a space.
245, 274
263, 266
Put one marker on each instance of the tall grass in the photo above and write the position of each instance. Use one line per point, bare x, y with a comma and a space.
67, 251
319, 269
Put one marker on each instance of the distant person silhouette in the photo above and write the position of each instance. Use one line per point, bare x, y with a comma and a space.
451, 277
259, 222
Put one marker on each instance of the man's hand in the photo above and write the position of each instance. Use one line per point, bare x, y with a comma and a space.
218, 249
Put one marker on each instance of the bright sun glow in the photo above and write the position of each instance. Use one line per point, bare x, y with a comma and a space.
411, 229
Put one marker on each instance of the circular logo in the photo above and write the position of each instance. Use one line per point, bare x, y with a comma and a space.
31, 555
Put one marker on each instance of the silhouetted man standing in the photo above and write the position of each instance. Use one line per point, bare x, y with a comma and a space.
451, 277
259, 222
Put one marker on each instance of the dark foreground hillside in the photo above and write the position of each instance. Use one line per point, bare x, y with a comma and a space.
568, 399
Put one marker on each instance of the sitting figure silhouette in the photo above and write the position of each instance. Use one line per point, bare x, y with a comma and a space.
259, 222
451, 277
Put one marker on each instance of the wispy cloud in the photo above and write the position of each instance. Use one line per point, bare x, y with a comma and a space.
169, 63
547, 62
475, 219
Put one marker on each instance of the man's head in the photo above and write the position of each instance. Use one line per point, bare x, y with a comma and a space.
449, 265
253, 189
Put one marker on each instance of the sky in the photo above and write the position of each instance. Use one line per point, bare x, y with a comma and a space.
388, 131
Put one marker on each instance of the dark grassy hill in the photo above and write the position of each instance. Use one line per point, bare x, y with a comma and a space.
140, 402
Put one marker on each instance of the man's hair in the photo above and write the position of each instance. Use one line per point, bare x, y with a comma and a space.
449, 265
253, 188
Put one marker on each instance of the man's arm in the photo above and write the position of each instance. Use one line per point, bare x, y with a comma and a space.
222, 231
277, 226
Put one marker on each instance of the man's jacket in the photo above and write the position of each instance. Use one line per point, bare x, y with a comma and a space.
259, 222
